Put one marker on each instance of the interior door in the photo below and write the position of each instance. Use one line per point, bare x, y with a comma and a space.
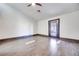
54, 28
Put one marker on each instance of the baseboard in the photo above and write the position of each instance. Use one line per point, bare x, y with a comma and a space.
19, 37
55, 37
45, 35
42, 35
69, 39
35, 34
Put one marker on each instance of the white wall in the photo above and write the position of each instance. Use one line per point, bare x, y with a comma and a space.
14, 24
35, 27
69, 25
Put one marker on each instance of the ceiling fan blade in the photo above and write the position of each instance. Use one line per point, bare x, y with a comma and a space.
29, 5
38, 4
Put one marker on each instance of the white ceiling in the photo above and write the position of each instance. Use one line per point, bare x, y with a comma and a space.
48, 10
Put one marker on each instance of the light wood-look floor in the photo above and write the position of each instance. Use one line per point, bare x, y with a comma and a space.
38, 46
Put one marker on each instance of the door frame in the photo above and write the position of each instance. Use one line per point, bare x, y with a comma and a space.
58, 29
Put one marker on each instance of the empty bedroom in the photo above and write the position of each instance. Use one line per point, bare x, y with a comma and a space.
39, 29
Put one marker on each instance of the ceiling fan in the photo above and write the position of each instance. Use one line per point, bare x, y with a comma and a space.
33, 4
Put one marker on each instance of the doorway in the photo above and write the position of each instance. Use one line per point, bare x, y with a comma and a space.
54, 28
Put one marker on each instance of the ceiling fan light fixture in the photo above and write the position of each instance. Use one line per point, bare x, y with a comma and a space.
33, 4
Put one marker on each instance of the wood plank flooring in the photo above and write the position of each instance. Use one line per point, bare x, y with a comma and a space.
39, 46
